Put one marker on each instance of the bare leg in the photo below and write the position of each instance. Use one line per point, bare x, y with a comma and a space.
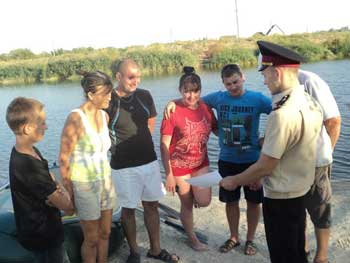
322, 238
201, 195
233, 214
186, 198
253, 215
104, 232
151, 218
90, 243
129, 227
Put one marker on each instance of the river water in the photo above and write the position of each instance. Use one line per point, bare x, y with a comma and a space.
60, 99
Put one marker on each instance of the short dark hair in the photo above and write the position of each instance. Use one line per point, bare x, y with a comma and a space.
120, 64
191, 77
21, 111
92, 80
230, 69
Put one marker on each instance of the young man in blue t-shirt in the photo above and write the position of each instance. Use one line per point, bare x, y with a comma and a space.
238, 112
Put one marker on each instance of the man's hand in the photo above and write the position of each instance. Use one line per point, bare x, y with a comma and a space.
170, 108
228, 183
255, 186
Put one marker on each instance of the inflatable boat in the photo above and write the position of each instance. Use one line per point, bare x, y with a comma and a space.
12, 251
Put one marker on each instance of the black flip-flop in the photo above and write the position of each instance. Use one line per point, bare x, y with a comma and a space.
165, 256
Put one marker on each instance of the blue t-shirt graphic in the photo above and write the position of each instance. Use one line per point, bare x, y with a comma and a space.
238, 123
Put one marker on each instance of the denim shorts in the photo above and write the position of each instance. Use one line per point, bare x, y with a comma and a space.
93, 197
318, 199
227, 169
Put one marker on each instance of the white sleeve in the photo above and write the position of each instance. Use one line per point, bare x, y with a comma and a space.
321, 92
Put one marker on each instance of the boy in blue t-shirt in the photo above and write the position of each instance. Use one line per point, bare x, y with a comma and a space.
238, 112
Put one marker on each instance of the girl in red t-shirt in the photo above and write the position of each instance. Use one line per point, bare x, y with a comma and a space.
184, 150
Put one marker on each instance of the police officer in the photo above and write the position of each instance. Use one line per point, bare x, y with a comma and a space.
288, 156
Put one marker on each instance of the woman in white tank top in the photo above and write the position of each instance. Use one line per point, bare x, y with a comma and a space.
85, 167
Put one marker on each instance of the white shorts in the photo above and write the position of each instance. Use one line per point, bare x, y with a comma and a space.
142, 182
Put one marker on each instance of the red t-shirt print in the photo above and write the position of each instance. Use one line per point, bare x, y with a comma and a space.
190, 130
190, 151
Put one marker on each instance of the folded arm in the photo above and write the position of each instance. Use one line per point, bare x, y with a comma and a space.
60, 199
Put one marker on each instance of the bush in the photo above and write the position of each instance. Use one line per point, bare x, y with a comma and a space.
243, 57
22, 65
339, 47
158, 62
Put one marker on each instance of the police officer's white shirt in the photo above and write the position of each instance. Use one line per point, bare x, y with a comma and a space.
320, 91
291, 136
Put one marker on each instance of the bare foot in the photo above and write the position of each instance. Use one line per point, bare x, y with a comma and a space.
199, 247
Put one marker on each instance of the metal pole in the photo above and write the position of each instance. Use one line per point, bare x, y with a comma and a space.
237, 36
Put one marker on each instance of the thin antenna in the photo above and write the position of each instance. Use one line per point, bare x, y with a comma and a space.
237, 19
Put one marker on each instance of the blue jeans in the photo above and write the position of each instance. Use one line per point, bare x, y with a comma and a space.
50, 255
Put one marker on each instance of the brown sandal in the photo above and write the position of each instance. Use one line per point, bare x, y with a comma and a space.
229, 245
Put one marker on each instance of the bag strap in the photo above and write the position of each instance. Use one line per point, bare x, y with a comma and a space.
115, 119
143, 106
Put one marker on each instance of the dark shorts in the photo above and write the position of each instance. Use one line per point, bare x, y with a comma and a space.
227, 169
318, 199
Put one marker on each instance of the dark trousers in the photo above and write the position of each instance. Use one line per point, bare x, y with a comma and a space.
50, 255
284, 221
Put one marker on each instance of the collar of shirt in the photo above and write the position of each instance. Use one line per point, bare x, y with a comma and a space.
296, 91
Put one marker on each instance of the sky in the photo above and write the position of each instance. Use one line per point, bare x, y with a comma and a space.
46, 25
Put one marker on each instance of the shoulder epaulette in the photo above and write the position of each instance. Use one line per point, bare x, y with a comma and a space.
280, 103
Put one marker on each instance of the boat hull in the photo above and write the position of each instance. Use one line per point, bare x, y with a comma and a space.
12, 251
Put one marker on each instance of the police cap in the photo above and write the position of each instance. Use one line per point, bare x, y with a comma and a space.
276, 55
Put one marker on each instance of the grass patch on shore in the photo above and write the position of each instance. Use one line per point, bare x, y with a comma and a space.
23, 66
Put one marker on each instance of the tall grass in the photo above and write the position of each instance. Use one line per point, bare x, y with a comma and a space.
157, 59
